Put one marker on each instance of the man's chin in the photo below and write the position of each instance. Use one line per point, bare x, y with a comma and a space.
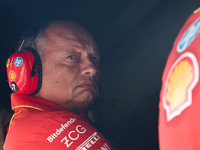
87, 96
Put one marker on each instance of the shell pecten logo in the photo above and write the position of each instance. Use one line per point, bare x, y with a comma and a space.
181, 80
12, 75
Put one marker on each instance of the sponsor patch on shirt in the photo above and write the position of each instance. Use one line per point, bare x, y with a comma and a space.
189, 35
181, 80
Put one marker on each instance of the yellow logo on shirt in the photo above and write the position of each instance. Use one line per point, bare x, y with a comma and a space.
178, 83
181, 80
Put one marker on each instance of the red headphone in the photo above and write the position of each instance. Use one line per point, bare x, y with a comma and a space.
24, 71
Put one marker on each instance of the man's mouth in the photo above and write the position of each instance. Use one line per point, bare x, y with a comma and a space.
87, 84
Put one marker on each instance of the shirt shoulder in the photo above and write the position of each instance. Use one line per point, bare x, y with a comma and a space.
69, 131
57, 130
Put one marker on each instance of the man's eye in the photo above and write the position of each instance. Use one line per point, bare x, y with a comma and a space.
71, 57
94, 59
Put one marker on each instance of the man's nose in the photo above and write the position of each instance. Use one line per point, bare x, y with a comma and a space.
89, 67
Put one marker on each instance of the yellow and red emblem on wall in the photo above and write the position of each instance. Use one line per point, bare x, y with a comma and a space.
181, 80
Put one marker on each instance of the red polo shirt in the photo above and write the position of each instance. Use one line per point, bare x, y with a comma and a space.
179, 123
39, 124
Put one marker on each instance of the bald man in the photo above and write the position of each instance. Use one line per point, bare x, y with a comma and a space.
54, 116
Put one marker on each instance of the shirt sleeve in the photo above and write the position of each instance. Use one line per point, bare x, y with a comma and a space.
67, 132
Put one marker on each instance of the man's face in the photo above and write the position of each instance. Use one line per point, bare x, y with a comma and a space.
70, 69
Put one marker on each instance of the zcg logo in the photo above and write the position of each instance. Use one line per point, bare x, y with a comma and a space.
73, 135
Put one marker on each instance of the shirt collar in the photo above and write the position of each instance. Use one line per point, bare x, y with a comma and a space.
22, 100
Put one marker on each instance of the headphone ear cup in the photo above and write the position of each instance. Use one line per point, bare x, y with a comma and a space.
19, 67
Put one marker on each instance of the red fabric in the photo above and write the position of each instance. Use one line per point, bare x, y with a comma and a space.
39, 124
179, 123
7, 128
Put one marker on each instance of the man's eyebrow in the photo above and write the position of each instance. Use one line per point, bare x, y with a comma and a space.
74, 39
95, 54
72, 50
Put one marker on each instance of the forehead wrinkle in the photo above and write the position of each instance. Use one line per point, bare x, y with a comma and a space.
79, 38
82, 44
72, 35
